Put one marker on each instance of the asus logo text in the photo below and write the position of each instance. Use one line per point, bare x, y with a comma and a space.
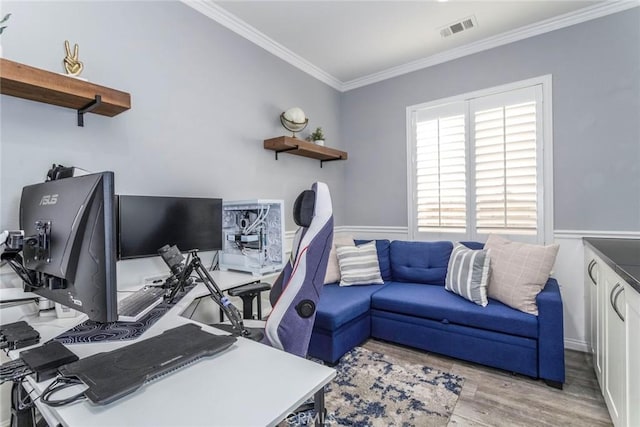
49, 199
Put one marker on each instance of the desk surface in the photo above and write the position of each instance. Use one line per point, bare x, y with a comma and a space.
249, 384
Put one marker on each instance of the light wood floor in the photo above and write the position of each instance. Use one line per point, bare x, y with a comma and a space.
492, 397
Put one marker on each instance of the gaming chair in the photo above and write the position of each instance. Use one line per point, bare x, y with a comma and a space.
295, 293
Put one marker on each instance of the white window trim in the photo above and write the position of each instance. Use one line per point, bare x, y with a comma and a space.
545, 150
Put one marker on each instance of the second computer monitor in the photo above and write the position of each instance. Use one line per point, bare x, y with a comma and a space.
146, 223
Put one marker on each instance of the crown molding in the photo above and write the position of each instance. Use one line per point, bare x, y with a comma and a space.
233, 23
545, 26
238, 26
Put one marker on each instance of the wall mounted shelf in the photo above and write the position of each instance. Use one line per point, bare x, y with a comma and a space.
287, 144
38, 85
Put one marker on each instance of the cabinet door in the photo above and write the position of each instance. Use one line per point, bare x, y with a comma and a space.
595, 310
615, 349
601, 322
632, 321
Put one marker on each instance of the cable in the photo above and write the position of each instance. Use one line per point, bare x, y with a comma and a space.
262, 216
260, 220
16, 264
25, 402
58, 384
250, 227
215, 261
14, 370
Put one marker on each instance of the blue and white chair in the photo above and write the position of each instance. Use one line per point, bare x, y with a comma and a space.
295, 294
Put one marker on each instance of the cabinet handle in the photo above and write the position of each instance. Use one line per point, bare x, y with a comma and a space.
592, 264
614, 299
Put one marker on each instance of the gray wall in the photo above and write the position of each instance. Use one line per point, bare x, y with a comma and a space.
203, 100
596, 120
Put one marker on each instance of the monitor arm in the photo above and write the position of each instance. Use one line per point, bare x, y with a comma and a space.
41, 241
14, 241
172, 257
230, 310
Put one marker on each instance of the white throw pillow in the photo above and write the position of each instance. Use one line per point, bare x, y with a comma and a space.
519, 271
333, 269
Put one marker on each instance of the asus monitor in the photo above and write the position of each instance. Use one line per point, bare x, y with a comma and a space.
70, 243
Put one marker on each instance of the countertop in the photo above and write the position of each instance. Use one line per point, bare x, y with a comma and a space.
622, 255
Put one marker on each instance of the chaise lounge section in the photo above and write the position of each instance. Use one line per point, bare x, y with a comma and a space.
413, 308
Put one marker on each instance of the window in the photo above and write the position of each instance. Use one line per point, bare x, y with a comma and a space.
480, 163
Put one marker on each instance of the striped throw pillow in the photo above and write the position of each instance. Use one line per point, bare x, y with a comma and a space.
359, 265
468, 274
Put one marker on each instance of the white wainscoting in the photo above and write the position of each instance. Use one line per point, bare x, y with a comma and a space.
568, 270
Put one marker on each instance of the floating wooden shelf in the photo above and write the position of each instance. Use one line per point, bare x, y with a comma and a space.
32, 83
287, 144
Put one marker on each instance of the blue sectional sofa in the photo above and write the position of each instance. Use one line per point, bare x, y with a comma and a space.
413, 308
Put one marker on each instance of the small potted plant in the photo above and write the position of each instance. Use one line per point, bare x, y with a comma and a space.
3, 27
317, 136
3, 21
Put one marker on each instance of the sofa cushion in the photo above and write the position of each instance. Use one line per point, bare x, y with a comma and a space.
434, 302
420, 262
382, 246
473, 245
340, 305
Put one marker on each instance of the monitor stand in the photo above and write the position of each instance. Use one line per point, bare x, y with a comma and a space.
255, 334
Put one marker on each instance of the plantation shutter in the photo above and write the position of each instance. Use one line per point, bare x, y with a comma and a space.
505, 140
478, 163
440, 180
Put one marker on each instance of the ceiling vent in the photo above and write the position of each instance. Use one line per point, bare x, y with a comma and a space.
459, 26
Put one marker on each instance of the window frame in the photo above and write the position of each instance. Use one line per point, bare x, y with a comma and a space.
544, 162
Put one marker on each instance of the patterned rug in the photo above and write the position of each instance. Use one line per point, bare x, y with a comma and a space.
371, 389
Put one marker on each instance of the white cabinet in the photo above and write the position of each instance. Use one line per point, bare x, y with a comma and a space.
595, 290
615, 358
614, 333
632, 320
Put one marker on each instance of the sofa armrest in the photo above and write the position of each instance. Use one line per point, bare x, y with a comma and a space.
550, 333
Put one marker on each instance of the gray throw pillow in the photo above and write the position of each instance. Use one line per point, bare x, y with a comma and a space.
468, 274
359, 265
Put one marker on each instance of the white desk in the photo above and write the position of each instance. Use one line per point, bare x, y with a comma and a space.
250, 384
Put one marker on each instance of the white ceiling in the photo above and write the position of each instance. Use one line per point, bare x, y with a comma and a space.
348, 42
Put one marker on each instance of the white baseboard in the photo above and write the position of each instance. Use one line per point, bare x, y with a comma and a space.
571, 344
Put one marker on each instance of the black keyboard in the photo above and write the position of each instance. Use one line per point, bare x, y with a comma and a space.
139, 303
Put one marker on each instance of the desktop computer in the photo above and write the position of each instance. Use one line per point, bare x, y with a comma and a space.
253, 236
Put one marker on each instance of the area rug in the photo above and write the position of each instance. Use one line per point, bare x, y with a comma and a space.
371, 389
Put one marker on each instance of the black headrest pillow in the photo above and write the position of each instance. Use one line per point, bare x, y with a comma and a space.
304, 207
